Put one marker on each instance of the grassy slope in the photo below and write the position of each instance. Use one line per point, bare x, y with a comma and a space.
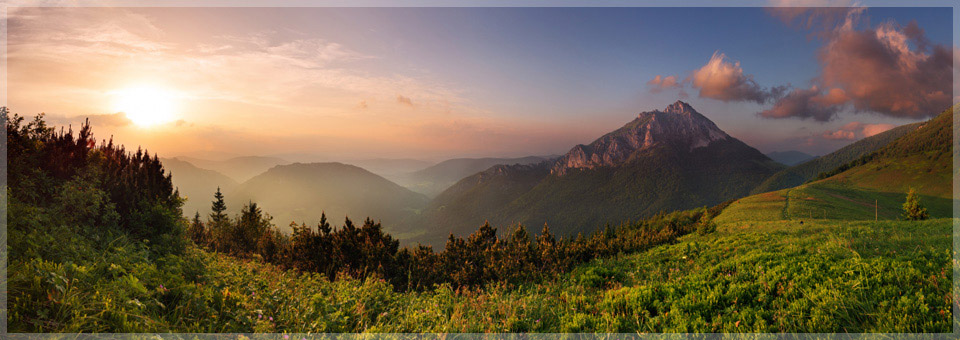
920, 159
797, 175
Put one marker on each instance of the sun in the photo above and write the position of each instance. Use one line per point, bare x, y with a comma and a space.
146, 106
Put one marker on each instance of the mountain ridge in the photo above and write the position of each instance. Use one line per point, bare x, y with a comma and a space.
663, 160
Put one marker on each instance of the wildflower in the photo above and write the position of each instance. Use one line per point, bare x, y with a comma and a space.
538, 320
259, 316
286, 336
271, 318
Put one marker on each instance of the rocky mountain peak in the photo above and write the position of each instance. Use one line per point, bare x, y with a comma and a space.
680, 107
678, 127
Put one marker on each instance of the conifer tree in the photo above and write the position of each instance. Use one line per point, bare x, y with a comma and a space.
912, 209
218, 208
196, 231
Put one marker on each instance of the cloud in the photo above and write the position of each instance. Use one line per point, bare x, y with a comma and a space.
889, 69
821, 16
857, 130
875, 129
840, 135
108, 119
404, 100
660, 83
806, 103
722, 80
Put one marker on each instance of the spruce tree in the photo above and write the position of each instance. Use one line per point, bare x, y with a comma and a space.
912, 209
218, 208
196, 230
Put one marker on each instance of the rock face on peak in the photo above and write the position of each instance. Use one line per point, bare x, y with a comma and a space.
666, 160
678, 126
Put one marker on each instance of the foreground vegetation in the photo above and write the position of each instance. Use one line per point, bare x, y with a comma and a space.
765, 277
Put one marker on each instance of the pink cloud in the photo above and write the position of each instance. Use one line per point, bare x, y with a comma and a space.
889, 69
660, 83
874, 129
722, 80
857, 130
840, 134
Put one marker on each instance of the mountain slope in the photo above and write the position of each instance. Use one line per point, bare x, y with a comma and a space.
433, 180
799, 174
661, 161
238, 168
790, 158
390, 168
874, 186
301, 192
196, 185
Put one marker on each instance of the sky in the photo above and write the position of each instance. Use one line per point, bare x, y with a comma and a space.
436, 83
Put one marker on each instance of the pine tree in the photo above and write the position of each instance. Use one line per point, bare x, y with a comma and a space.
197, 231
912, 209
219, 224
218, 207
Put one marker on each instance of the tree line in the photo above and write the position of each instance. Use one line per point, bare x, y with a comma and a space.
485, 256
90, 183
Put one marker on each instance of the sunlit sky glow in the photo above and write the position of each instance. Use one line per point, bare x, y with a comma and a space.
350, 83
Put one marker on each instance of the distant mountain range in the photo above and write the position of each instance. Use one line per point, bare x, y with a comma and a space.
238, 168
661, 161
433, 180
301, 192
390, 168
790, 158
196, 185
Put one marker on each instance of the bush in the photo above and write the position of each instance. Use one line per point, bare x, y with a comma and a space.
706, 225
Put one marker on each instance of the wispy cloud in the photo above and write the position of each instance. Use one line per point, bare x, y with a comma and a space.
404, 100
660, 83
